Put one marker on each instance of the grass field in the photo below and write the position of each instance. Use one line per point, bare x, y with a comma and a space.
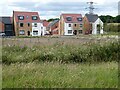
55, 75
60, 62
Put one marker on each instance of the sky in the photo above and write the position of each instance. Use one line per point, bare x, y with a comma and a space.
53, 8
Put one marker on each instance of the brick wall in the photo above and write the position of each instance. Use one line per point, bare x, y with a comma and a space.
55, 28
2, 27
87, 27
25, 28
61, 26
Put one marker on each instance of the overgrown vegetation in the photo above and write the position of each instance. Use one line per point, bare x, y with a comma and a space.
88, 52
112, 27
56, 75
58, 63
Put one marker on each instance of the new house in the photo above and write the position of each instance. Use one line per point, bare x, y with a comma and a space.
45, 26
6, 26
37, 29
27, 23
53, 27
92, 24
71, 24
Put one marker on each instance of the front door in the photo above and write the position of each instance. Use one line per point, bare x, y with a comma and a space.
75, 32
28, 33
98, 28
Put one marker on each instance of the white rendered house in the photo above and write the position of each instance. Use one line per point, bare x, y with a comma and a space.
97, 27
93, 24
37, 29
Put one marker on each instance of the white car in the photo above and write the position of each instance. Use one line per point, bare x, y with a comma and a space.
2, 34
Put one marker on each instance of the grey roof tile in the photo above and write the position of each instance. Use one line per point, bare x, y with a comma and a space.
6, 20
92, 17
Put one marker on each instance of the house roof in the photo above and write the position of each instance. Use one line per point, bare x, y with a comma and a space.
27, 16
92, 17
52, 23
45, 23
73, 18
6, 20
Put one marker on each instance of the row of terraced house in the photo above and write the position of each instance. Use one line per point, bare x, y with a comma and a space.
30, 24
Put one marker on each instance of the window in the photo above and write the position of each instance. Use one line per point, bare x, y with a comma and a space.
79, 19
21, 24
21, 32
8, 27
35, 24
75, 25
80, 31
81, 25
41, 27
69, 25
35, 32
21, 17
69, 19
69, 31
28, 24
56, 26
34, 17
27, 17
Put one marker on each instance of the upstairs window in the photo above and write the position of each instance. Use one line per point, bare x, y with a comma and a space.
79, 19
34, 17
81, 25
21, 17
28, 24
21, 24
56, 26
69, 18
75, 25
8, 27
35, 24
69, 25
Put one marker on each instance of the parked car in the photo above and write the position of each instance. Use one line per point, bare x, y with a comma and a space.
2, 34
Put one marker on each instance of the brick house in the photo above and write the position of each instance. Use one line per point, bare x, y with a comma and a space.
71, 24
92, 24
45, 26
27, 23
53, 27
6, 26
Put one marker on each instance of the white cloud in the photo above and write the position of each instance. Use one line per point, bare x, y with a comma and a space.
53, 8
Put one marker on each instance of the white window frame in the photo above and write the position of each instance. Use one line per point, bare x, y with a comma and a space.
35, 32
35, 25
69, 31
22, 32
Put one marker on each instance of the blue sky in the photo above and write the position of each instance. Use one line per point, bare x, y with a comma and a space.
53, 8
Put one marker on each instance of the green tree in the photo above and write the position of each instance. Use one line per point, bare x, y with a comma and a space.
52, 19
117, 19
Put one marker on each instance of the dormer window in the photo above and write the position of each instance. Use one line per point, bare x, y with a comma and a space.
69, 18
21, 17
34, 17
79, 19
